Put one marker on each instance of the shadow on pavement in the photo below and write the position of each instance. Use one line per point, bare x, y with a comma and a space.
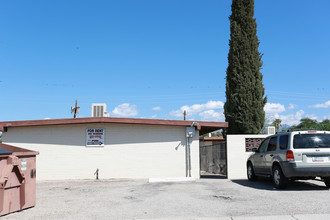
267, 184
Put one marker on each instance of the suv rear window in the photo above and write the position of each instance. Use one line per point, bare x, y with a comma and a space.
311, 141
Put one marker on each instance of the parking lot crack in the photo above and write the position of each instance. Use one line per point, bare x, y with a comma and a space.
222, 197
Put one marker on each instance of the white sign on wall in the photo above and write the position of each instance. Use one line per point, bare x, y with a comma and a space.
95, 137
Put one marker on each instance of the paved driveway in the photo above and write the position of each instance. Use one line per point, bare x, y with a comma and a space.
128, 199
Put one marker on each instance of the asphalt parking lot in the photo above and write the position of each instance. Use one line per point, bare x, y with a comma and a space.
204, 198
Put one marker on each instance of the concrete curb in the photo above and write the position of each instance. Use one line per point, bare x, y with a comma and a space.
179, 179
274, 217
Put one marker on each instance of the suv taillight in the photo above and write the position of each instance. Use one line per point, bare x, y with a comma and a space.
289, 155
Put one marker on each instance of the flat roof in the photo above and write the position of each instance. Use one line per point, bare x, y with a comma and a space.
204, 127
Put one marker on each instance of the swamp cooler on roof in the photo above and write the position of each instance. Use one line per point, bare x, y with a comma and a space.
99, 110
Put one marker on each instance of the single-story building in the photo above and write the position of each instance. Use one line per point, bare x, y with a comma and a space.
116, 147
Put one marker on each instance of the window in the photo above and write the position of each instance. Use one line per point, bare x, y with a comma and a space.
284, 142
272, 144
263, 146
311, 141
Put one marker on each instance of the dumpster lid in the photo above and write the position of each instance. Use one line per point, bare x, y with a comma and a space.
3, 151
16, 151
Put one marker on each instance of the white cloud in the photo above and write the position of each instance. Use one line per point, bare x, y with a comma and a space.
125, 110
157, 108
323, 105
292, 119
292, 106
197, 108
273, 108
211, 115
312, 116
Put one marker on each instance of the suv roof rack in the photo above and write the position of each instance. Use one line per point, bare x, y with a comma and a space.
305, 129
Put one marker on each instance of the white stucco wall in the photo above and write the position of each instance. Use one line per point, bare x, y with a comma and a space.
237, 155
130, 151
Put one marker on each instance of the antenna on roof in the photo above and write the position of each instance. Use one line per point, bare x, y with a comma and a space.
75, 109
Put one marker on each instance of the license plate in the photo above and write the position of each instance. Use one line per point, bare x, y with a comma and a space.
318, 159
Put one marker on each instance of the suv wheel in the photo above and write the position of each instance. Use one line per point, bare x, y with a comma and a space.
279, 179
327, 181
250, 173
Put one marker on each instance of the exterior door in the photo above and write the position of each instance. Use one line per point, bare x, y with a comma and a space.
269, 154
258, 159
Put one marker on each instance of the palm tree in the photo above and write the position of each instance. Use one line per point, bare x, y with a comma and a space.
277, 123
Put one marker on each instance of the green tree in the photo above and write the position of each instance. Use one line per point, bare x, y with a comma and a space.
307, 123
325, 125
245, 101
214, 134
277, 123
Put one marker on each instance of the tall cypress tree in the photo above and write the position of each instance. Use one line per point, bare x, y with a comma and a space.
244, 107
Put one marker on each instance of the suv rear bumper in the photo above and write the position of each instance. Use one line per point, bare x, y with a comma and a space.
291, 170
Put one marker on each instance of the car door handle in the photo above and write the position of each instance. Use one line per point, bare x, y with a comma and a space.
261, 155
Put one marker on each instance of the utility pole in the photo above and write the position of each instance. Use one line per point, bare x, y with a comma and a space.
75, 110
184, 115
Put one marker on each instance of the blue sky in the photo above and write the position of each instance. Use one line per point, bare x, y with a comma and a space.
155, 58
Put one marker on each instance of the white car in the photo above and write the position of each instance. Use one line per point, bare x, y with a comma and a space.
292, 155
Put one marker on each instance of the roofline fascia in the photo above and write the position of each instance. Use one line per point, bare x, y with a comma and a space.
6, 124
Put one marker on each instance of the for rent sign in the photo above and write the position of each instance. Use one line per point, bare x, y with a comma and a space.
95, 137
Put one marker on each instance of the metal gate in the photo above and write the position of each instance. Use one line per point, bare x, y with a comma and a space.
213, 159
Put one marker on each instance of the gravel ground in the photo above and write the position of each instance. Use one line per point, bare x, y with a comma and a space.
138, 199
